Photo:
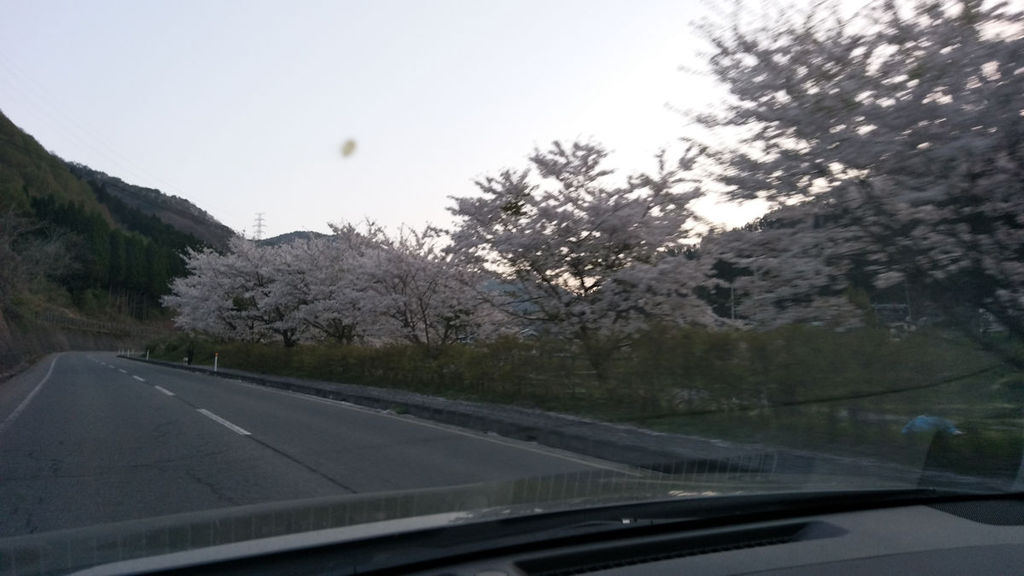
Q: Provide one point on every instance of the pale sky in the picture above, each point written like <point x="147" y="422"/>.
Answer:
<point x="243" y="106"/>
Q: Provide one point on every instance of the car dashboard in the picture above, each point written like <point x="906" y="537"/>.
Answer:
<point x="978" y="537"/>
<point x="945" y="535"/>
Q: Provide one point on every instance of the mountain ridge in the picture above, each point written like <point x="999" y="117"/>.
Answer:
<point x="289" y="237"/>
<point x="172" y="210"/>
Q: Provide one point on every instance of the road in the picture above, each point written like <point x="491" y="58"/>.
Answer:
<point x="89" y="438"/>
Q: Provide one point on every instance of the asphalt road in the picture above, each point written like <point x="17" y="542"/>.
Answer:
<point x="88" y="438"/>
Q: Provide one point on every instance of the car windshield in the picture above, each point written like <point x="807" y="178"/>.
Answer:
<point x="385" y="260"/>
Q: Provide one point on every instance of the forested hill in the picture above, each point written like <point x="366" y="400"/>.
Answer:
<point x="173" y="210"/>
<point x="76" y="239"/>
<point x="290" y="237"/>
<point x="28" y="171"/>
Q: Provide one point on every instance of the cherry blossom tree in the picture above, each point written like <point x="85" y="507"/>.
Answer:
<point x="250" y="293"/>
<point x="904" y="123"/>
<point x="211" y="298"/>
<point x="335" y="306"/>
<point x="286" y="289"/>
<point x="784" y="270"/>
<point x="360" y="284"/>
<point x="419" y="293"/>
<point x="579" y="254"/>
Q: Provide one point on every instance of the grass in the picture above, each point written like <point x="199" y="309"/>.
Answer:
<point x="803" y="387"/>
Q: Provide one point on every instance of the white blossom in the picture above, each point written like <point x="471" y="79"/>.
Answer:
<point x="904" y="125"/>
<point x="579" y="254"/>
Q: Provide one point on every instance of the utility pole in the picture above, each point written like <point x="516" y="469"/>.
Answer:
<point x="258" y="228"/>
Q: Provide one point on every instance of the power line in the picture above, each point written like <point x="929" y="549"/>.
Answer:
<point x="40" y="99"/>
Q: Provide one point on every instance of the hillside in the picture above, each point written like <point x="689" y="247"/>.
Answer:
<point x="84" y="257"/>
<point x="289" y="237"/>
<point x="28" y="171"/>
<point x="173" y="210"/>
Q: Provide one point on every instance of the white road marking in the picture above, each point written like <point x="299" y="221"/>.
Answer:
<point x="164" y="390"/>
<point x="510" y="442"/>
<point x="122" y="370"/>
<point x="223" y="422"/>
<point x="139" y="379"/>
<point x="24" y="403"/>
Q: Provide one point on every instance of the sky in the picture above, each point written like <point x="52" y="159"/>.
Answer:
<point x="243" y="106"/>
